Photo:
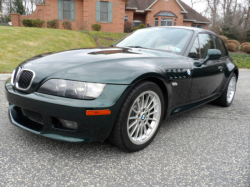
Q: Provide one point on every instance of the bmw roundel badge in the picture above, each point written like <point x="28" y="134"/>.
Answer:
<point x="189" y="72"/>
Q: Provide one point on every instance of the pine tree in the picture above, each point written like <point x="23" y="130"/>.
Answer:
<point x="17" y="7"/>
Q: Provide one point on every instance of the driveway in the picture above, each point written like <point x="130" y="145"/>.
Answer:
<point x="205" y="147"/>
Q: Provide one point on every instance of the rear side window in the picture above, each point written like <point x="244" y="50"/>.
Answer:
<point x="195" y="51"/>
<point x="220" y="46"/>
<point x="206" y="43"/>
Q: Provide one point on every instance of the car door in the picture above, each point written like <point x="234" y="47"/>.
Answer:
<point x="207" y="77"/>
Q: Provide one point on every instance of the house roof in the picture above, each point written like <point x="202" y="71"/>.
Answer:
<point x="189" y="13"/>
<point x="140" y="4"/>
<point x="192" y="15"/>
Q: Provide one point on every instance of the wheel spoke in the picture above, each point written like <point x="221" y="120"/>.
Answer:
<point x="142" y="102"/>
<point x="150" y="102"/>
<point x="134" y="123"/>
<point x="134" y="117"/>
<point x="152" y="113"/>
<point x="138" y="129"/>
<point x="134" y="130"/>
<point x="152" y="119"/>
<point x="149" y="125"/>
<point x="146" y="102"/>
<point x="152" y="107"/>
<point x="145" y="129"/>
<point x="135" y="111"/>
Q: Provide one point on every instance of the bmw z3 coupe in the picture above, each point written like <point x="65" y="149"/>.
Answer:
<point x="124" y="92"/>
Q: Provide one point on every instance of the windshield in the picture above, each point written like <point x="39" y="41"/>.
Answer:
<point x="169" y="39"/>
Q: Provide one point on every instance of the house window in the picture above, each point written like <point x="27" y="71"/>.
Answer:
<point x="175" y="22"/>
<point x="166" y="22"/>
<point x="156" y="21"/>
<point x="66" y="10"/>
<point x="104" y="11"/>
<point x="198" y="26"/>
<point x="125" y="18"/>
<point x="137" y="23"/>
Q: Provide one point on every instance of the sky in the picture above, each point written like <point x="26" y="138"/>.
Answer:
<point x="201" y="7"/>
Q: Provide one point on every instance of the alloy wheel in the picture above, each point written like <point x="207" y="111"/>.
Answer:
<point x="144" y="117"/>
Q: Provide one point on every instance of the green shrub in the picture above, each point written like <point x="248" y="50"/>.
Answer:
<point x="142" y="26"/>
<point x="135" y="28"/>
<point x="28" y="22"/>
<point x="38" y="23"/>
<point x="67" y="25"/>
<point x="96" y="27"/>
<point x="53" y="24"/>
<point x="33" y="22"/>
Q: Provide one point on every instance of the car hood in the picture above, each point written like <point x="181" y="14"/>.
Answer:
<point x="107" y="65"/>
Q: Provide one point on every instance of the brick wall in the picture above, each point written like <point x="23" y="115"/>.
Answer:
<point x="130" y="14"/>
<point x="89" y="15"/>
<point x="85" y="15"/>
<point x="162" y="5"/>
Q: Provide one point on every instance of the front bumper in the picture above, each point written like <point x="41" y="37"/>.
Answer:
<point x="90" y="128"/>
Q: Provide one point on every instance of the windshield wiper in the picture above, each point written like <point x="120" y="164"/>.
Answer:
<point x="136" y="47"/>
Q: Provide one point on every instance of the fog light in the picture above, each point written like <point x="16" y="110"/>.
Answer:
<point x="69" y="124"/>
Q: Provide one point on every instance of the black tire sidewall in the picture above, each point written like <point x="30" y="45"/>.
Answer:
<point x="148" y="86"/>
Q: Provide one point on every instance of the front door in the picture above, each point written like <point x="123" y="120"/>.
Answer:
<point x="208" y="77"/>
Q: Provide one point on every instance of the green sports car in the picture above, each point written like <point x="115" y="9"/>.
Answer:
<point x="124" y="92"/>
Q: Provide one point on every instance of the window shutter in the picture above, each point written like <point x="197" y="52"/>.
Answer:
<point x="110" y="12"/>
<point x="97" y="11"/>
<point x="60" y="9"/>
<point x="72" y="10"/>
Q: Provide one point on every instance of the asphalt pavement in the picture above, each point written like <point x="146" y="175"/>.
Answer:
<point x="208" y="146"/>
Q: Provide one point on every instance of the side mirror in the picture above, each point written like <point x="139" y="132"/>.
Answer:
<point x="212" y="54"/>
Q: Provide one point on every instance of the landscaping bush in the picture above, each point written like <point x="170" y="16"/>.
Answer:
<point x="224" y="38"/>
<point x="96" y="27"/>
<point x="142" y="26"/>
<point x="67" y="25"/>
<point x="235" y="42"/>
<point x="245" y="48"/>
<point x="128" y="26"/>
<point x="135" y="28"/>
<point x="53" y="24"/>
<point x="38" y="23"/>
<point x="246" y="43"/>
<point x="231" y="47"/>
<point x="27" y="22"/>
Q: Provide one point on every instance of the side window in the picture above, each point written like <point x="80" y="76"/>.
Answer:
<point x="220" y="46"/>
<point x="206" y="42"/>
<point x="195" y="51"/>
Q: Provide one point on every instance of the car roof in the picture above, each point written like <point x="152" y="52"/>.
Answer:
<point x="195" y="29"/>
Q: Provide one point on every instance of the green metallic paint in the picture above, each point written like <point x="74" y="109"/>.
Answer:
<point x="120" y="69"/>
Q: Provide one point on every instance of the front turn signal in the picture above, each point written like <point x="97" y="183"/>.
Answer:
<point x="97" y="112"/>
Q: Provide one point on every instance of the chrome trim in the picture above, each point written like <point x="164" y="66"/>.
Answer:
<point x="18" y="76"/>
<point x="12" y="77"/>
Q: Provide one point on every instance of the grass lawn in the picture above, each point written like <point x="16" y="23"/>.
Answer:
<point x="105" y="39"/>
<point x="19" y="43"/>
<point x="241" y="60"/>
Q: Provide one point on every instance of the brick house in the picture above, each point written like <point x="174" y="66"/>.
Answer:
<point x="111" y="14"/>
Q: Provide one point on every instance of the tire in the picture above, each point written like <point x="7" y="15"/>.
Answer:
<point x="224" y="100"/>
<point x="134" y="120"/>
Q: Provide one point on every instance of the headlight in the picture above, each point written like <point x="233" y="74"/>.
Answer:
<point x="72" y="89"/>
